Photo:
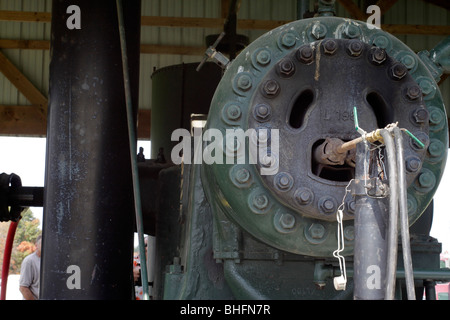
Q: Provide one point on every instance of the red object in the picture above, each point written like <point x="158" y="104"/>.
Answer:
<point x="7" y="257"/>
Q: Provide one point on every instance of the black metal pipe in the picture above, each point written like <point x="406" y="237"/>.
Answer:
<point x="88" y="223"/>
<point x="26" y="197"/>
<point x="370" y="236"/>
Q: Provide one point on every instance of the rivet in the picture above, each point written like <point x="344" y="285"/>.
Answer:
<point x="271" y="88"/>
<point x="305" y="54"/>
<point x="244" y="82"/>
<point x="287" y="221"/>
<point x="398" y="71"/>
<point x="329" y="46"/>
<point x="263" y="57"/>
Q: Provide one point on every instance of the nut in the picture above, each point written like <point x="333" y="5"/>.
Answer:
<point x="286" y="67"/>
<point x="330" y="46"/>
<point x="305" y="54"/>
<point x="398" y="71"/>
<point x="377" y="55"/>
<point x="355" y="47"/>
<point x="271" y="88"/>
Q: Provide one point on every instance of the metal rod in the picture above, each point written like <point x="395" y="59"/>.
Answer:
<point x="133" y="152"/>
<point x="404" y="223"/>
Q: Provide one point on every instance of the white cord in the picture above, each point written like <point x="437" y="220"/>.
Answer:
<point x="340" y="282"/>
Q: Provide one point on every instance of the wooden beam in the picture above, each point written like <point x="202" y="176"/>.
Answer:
<point x="22" y="120"/>
<point x="416" y="29"/>
<point x="21" y="82"/>
<point x="182" y="50"/>
<point x="24" y="44"/>
<point x="385" y="5"/>
<point x="29" y="121"/>
<point x="25" y="16"/>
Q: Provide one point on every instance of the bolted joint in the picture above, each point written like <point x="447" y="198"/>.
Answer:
<point x="286" y="68"/>
<point x="377" y="56"/>
<point x="329" y="46"/>
<point x="305" y="54"/>
<point x="398" y="71"/>
<point x="271" y="88"/>
<point x="355" y="48"/>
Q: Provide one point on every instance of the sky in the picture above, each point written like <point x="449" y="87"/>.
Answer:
<point x="26" y="158"/>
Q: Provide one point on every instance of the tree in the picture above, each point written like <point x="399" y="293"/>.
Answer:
<point x="26" y="233"/>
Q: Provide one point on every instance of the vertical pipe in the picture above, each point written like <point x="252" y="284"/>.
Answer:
<point x="370" y="237"/>
<point x="88" y="223"/>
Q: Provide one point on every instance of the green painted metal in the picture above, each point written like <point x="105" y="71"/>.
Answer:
<point x="234" y="202"/>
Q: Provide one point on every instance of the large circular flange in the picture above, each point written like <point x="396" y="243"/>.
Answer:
<point x="284" y="207"/>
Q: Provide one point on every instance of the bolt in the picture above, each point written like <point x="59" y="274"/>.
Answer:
<point x="327" y="205"/>
<point x="305" y="54"/>
<point x="233" y="112"/>
<point x="427" y="179"/>
<point x="286" y="67"/>
<point x="413" y="164"/>
<point x="271" y="88"/>
<point x="242" y="175"/>
<point x="261" y="201"/>
<point x="318" y="31"/>
<point x="317" y="231"/>
<point x="263" y="57"/>
<point x="436" y="117"/>
<point x="436" y="148"/>
<point x="420" y="115"/>
<point x="261" y="112"/>
<point x="355" y="47"/>
<point x="351" y="206"/>
<point x="303" y="196"/>
<point x="427" y="86"/>
<point x="288" y="40"/>
<point x="330" y="46"/>
<point x="409" y="61"/>
<point x="413" y="92"/>
<point x="349" y="233"/>
<point x="266" y="161"/>
<point x="244" y="82"/>
<point x="352" y="31"/>
<point x="283" y="181"/>
<point x="377" y="55"/>
<point x="398" y="71"/>
<point x="287" y="221"/>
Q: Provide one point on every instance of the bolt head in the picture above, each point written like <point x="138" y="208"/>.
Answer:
<point x="305" y="54"/>
<point x="355" y="48"/>
<point x="271" y="88"/>
<point x="377" y="55"/>
<point x="286" y="68"/>
<point x="287" y="221"/>
<point x="283" y="181"/>
<point x="329" y="46"/>
<point x="398" y="71"/>
<point x="317" y="231"/>
<point x="261" y="112"/>
<point x="413" y="92"/>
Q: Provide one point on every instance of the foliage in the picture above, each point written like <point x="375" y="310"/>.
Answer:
<point x="25" y="237"/>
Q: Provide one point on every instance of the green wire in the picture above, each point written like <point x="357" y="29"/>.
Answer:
<point x="355" y="114"/>
<point x="420" y="143"/>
